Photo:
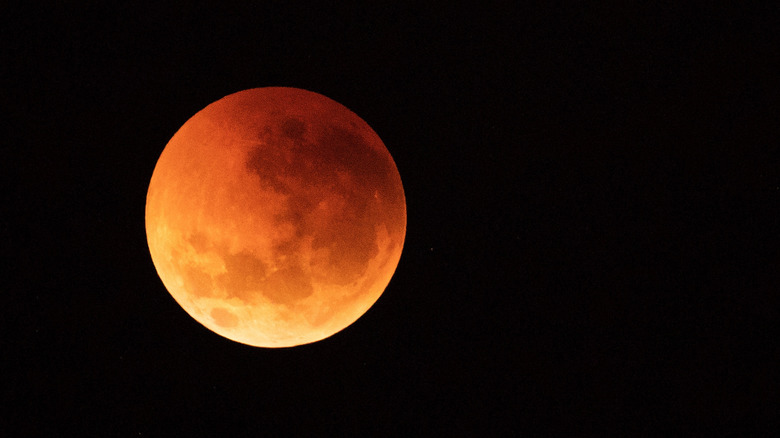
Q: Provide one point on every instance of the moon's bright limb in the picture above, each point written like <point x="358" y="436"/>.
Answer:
<point x="275" y="217"/>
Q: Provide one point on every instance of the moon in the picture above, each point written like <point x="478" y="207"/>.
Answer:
<point x="275" y="217"/>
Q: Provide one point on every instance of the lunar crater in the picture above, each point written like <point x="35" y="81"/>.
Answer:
<point x="223" y="317"/>
<point x="293" y="128"/>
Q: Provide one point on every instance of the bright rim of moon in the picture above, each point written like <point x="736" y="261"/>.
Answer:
<point x="275" y="217"/>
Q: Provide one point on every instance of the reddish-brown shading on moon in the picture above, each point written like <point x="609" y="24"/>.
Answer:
<point x="275" y="217"/>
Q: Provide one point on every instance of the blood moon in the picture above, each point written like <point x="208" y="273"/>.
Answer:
<point x="275" y="217"/>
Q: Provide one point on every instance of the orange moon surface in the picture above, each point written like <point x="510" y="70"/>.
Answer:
<point x="275" y="217"/>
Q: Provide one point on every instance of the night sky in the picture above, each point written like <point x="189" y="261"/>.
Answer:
<point x="592" y="193"/>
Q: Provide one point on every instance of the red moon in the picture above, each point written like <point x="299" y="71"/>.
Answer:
<point x="275" y="217"/>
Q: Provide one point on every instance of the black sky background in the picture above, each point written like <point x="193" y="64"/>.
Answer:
<point x="592" y="242"/>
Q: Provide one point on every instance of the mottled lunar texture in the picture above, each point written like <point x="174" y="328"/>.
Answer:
<point x="275" y="217"/>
